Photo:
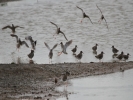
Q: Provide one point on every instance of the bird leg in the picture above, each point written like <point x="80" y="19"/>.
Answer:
<point x="59" y="53"/>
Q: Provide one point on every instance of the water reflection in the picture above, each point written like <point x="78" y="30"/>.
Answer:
<point x="116" y="86"/>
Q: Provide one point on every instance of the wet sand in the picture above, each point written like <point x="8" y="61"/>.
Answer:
<point x="37" y="80"/>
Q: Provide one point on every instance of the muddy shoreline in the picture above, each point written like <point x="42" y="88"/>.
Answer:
<point x="37" y="80"/>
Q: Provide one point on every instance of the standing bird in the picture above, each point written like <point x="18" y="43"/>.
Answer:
<point x="120" y="56"/>
<point x="100" y="56"/>
<point x="64" y="47"/>
<point x="64" y="78"/>
<point x="94" y="48"/>
<point x="31" y="54"/>
<point x="12" y="28"/>
<point x="102" y="17"/>
<point x="84" y="15"/>
<point x="79" y="56"/>
<point x="126" y="56"/>
<point x="33" y="43"/>
<point x="114" y="50"/>
<point x="51" y="51"/>
<point x="58" y="30"/>
<point x="74" y="50"/>
<point x="19" y="42"/>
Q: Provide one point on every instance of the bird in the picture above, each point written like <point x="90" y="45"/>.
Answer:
<point x="120" y="56"/>
<point x="19" y="42"/>
<point x="50" y="51"/>
<point x="31" y="54"/>
<point x="64" y="47"/>
<point x="84" y="15"/>
<point x="33" y="43"/>
<point x="126" y="56"/>
<point x="79" y="56"/>
<point x="58" y="30"/>
<point x="100" y="56"/>
<point x="74" y="50"/>
<point x="102" y="17"/>
<point x="94" y="48"/>
<point x="64" y="78"/>
<point x="114" y="50"/>
<point x="12" y="28"/>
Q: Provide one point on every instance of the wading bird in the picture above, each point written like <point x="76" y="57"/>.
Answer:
<point x="100" y="56"/>
<point x="79" y="56"/>
<point x="74" y="50"/>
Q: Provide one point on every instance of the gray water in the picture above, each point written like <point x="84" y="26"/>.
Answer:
<point x="116" y="86"/>
<point x="36" y="17"/>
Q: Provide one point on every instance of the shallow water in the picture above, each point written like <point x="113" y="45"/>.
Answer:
<point x="116" y="86"/>
<point x="36" y="17"/>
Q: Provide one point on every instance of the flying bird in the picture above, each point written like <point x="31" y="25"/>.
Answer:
<point x="102" y="17"/>
<point x="33" y="43"/>
<point x="64" y="47"/>
<point x="59" y="31"/>
<point x="12" y="28"/>
<point x="84" y="15"/>
<point x="19" y="42"/>
<point x="50" y="51"/>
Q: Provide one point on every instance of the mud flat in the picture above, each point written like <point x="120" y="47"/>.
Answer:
<point x="36" y="81"/>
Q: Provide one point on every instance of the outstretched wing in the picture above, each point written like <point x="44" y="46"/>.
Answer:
<point x="106" y="23"/>
<point x="13" y="35"/>
<point x="54" y="24"/>
<point x="23" y="42"/>
<point x="47" y="45"/>
<point x="8" y="26"/>
<point x="54" y="46"/>
<point x="68" y="43"/>
<point x="80" y="9"/>
<point x="18" y="26"/>
<point x="89" y="18"/>
<point x="64" y="35"/>
<point x="99" y="9"/>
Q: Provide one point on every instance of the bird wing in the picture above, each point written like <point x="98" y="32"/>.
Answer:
<point x="13" y="35"/>
<point x="18" y="26"/>
<point x="54" y="24"/>
<point x="99" y="9"/>
<point x="80" y="9"/>
<point x="47" y="45"/>
<point x="8" y="26"/>
<point x="54" y="46"/>
<point x="29" y="38"/>
<point x="89" y="18"/>
<point x="23" y="42"/>
<point x="68" y="43"/>
<point x="64" y="35"/>
<point x="106" y="23"/>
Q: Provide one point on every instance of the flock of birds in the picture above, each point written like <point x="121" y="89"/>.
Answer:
<point x="63" y="46"/>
